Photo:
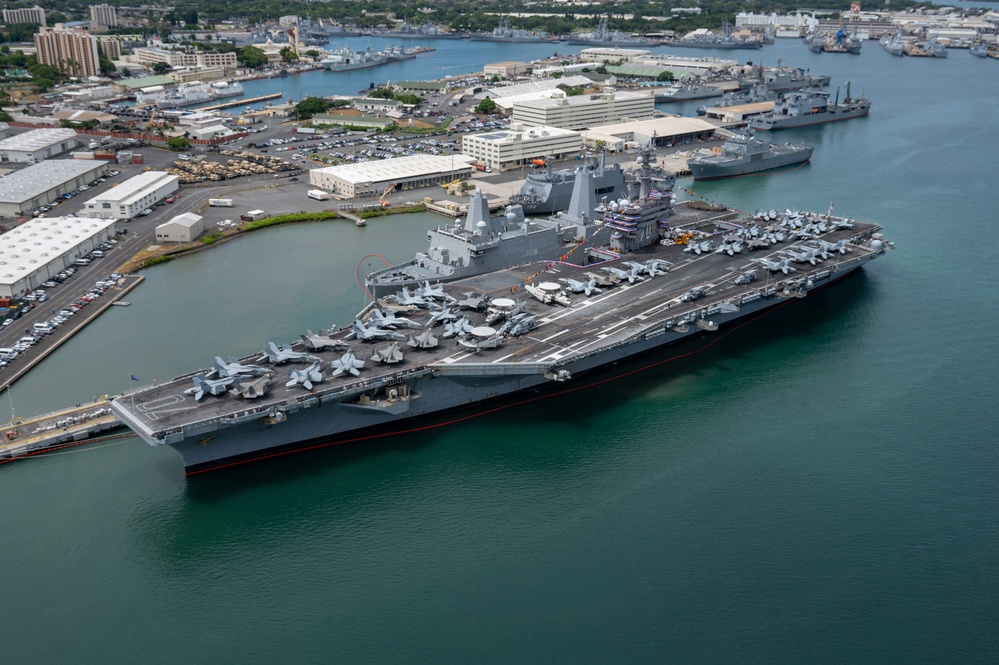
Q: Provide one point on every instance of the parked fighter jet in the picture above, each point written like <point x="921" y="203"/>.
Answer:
<point x="745" y="278"/>
<point x="587" y="287"/>
<point x="519" y="325"/>
<point x="803" y="254"/>
<point x="363" y="333"/>
<point x="388" y="320"/>
<point x="277" y="355"/>
<point x="316" y="342"/>
<point x="631" y="275"/>
<point x="826" y="247"/>
<point x="433" y="292"/>
<point x="702" y="247"/>
<point x="424" y="340"/>
<point x="694" y="293"/>
<point x="655" y="267"/>
<point x="774" y="266"/>
<point x="252" y="389"/>
<point x="458" y="327"/>
<point x="841" y="223"/>
<point x="474" y="301"/>
<point x="203" y="385"/>
<point x="223" y="369"/>
<point x="390" y="355"/>
<point x="729" y="246"/>
<point x="306" y="377"/>
<point x="440" y="316"/>
<point x="404" y="297"/>
<point x="346" y="363"/>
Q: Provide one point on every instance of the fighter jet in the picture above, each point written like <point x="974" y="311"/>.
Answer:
<point x="474" y="301"/>
<point x="729" y="246"/>
<point x="440" y="316"/>
<point x="390" y="355"/>
<point x="631" y="275"/>
<point x="389" y="321"/>
<point x="316" y="342"/>
<point x="458" y="327"/>
<point x="433" y="292"/>
<point x="424" y="340"/>
<point x="826" y="247"/>
<point x="365" y="334"/>
<point x="223" y="369"/>
<point x="587" y="287"/>
<point x="702" y="247"/>
<point x="655" y="267"/>
<point x="774" y="266"/>
<point x="841" y="223"/>
<point x="306" y="377"/>
<point x="203" y="385"/>
<point x="694" y="293"/>
<point x="404" y="297"/>
<point x="803" y="254"/>
<point x="277" y="355"/>
<point x="745" y="278"/>
<point x="346" y="363"/>
<point x="252" y="389"/>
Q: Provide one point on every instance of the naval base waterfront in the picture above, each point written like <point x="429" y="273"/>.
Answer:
<point x="818" y="486"/>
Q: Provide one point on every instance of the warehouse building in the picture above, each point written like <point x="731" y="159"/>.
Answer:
<point x="132" y="196"/>
<point x="659" y="132"/>
<point x="35" y="145"/>
<point x="349" y="181"/>
<point x="182" y="228"/>
<point x="517" y="146"/>
<point x="40" y="248"/>
<point x="40" y="184"/>
<point x="582" y="111"/>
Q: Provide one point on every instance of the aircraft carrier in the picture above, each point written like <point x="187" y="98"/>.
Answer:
<point x="669" y="272"/>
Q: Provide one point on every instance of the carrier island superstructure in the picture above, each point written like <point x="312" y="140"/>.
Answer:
<point x="667" y="273"/>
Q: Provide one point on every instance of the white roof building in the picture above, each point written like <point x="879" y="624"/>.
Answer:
<point x="519" y="145"/>
<point x="37" y="144"/>
<point x="582" y="111"/>
<point x="658" y="131"/>
<point x="133" y="195"/>
<point x="40" y="248"/>
<point x="185" y="227"/>
<point x="39" y="184"/>
<point x="349" y="181"/>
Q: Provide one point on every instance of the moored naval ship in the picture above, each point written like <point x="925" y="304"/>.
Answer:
<point x="546" y="191"/>
<point x="504" y="33"/>
<point x="344" y="59"/>
<point x="723" y="40"/>
<point x="742" y="154"/>
<point x="798" y="109"/>
<point x="605" y="37"/>
<point x="484" y="244"/>
<point x="669" y="273"/>
<point x="427" y="30"/>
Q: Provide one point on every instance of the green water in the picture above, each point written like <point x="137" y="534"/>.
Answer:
<point x="819" y="486"/>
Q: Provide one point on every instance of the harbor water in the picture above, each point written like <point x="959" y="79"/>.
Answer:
<point x="821" y="485"/>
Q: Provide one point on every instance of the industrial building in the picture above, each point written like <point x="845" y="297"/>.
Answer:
<point x="582" y="111"/>
<point x="519" y="145"/>
<point x="506" y="69"/>
<point x="40" y="248"/>
<point x="40" y="184"/>
<point x="182" y="228"/>
<point x="37" y="144"/>
<point x="132" y="196"/>
<point x="349" y="181"/>
<point x="611" y="54"/>
<point x="659" y="132"/>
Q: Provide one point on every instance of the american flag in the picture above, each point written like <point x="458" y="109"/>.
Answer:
<point x="854" y="7"/>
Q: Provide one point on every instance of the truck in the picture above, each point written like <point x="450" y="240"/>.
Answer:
<point x="478" y="166"/>
<point x="253" y="215"/>
<point x="220" y="203"/>
<point x="319" y="195"/>
<point x="306" y="130"/>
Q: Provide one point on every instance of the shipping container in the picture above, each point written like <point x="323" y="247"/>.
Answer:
<point x="136" y="157"/>
<point x="319" y="195"/>
<point x="220" y="203"/>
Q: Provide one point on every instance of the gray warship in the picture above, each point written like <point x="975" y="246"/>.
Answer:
<point x="798" y="109"/>
<point x="742" y="154"/>
<point x="504" y="33"/>
<point x="724" y="40"/>
<point x="606" y="37"/>
<point x="671" y="272"/>
<point x="546" y="190"/>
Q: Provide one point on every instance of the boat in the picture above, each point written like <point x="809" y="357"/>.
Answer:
<point x="605" y="37"/>
<point x="980" y="50"/>
<point x="188" y="93"/>
<point x="687" y="90"/>
<point x="343" y="59"/>
<point x="842" y="42"/>
<point x="724" y="40"/>
<point x="935" y="48"/>
<point x="539" y="328"/>
<point x="425" y="31"/>
<point x="742" y="154"/>
<point x="546" y="191"/>
<point x="797" y="109"/>
<point x="783" y="78"/>
<point x="756" y="94"/>
<point x="504" y="33"/>
<point x="894" y="44"/>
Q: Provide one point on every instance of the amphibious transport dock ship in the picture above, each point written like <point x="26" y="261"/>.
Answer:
<point x="672" y="274"/>
<point x="546" y="190"/>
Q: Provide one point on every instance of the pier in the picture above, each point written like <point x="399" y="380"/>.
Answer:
<point x="241" y="102"/>
<point x="60" y="429"/>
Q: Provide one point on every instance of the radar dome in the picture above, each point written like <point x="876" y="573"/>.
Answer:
<point x="480" y="224"/>
<point x="623" y="203"/>
<point x="639" y="160"/>
<point x="877" y="246"/>
<point x="511" y="216"/>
